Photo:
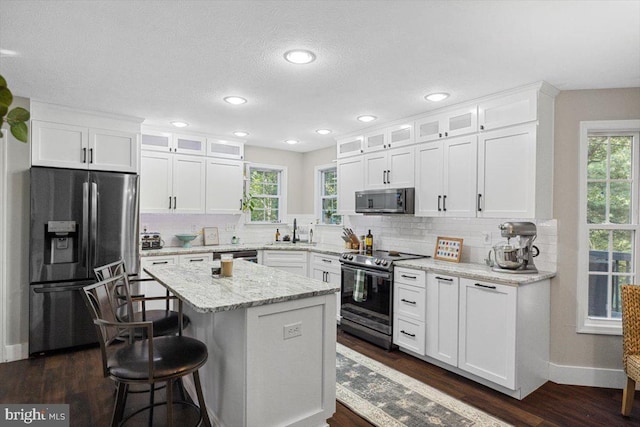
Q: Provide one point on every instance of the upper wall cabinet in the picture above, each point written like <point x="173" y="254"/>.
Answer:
<point x="224" y="186"/>
<point x="173" y="143"/>
<point x="225" y="149"/>
<point x="508" y="110"/>
<point x="389" y="137"/>
<point x="80" y="147"/>
<point x="444" y="125"/>
<point x="389" y="169"/>
<point x="350" y="146"/>
<point x="350" y="179"/>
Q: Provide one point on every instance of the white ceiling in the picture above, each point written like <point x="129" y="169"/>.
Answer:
<point x="176" y="60"/>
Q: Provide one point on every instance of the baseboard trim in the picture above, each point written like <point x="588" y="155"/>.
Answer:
<point x="584" y="376"/>
<point x="16" y="352"/>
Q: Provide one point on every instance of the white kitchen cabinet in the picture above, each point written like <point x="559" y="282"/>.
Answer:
<point x="392" y="168"/>
<point x="79" y="147"/>
<point x="326" y="268"/>
<point x="442" y="318"/>
<point x="292" y="261"/>
<point x="507" y="173"/>
<point x="446" y="177"/>
<point x="152" y="288"/>
<point x="224" y="186"/>
<point x="446" y="125"/>
<point x="350" y="179"/>
<point x="172" y="183"/>
<point x="225" y="149"/>
<point x="409" y="309"/>
<point x="351" y="146"/>
<point x="389" y="137"/>
<point x="508" y="110"/>
<point x="487" y="334"/>
<point x="158" y="140"/>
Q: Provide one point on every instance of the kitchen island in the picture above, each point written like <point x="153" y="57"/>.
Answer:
<point x="271" y="337"/>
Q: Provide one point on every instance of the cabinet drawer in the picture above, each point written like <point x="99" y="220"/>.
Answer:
<point x="409" y="334"/>
<point x="409" y="276"/>
<point x="326" y="262"/>
<point x="284" y="256"/>
<point x="193" y="258"/>
<point x="410" y="301"/>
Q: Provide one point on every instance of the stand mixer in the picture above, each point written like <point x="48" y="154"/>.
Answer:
<point x="517" y="257"/>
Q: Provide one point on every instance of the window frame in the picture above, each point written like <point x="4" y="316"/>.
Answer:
<point x="282" y="189"/>
<point x="318" y="195"/>
<point x="586" y="324"/>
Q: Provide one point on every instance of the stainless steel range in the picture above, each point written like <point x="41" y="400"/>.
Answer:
<point x="371" y="317"/>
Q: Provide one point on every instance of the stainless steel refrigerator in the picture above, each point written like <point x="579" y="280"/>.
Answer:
<point x="79" y="220"/>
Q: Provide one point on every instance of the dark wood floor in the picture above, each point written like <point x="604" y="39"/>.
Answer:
<point x="75" y="378"/>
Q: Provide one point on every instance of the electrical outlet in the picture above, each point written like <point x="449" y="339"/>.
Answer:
<point x="230" y="227"/>
<point x="486" y="238"/>
<point x="293" y="330"/>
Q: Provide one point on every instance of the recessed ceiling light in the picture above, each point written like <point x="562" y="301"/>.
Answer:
<point x="367" y="118"/>
<point x="436" y="97"/>
<point x="7" y="52"/>
<point x="240" y="133"/>
<point x="179" y="124"/>
<point x="235" y="100"/>
<point x="299" y="56"/>
<point x="323" y="131"/>
<point x="292" y="141"/>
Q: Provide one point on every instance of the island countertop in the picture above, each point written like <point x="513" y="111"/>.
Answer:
<point x="251" y="285"/>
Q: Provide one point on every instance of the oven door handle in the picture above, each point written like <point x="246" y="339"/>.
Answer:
<point x="384" y="275"/>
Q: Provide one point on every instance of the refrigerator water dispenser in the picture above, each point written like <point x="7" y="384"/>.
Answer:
<point x="62" y="241"/>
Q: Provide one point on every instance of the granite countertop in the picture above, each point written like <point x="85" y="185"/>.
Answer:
<point x="473" y="271"/>
<point x="312" y="247"/>
<point x="251" y="285"/>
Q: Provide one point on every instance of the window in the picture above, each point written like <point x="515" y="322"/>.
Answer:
<point x="327" y="195"/>
<point x="609" y="250"/>
<point x="267" y="191"/>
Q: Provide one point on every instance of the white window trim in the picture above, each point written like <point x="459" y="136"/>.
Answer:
<point x="585" y="324"/>
<point x="283" y="189"/>
<point x="317" y="185"/>
<point x="3" y="270"/>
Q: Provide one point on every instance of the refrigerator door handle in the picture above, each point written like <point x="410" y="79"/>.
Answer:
<point x="94" y="224"/>
<point x="85" y="223"/>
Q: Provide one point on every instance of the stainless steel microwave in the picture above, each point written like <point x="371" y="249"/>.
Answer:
<point x="387" y="201"/>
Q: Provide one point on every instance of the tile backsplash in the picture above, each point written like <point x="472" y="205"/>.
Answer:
<point x="398" y="232"/>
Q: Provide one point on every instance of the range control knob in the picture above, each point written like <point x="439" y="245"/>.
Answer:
<point x="384" y="262"/>
<point x="350" y="257"/>
<point x="377" y="261"/>
<point x="344" y="256"/>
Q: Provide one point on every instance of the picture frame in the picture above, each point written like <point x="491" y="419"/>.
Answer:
<point x="210" y="236"/>
<point x="448" y="249"/>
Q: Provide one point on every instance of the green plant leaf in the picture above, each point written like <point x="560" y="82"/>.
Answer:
<point x="3" y="110"/>
<point x="20" y="131"/>
<point x="18" y="115"/>
<point x="3" y="82"/>
<point x="6" y="97"/>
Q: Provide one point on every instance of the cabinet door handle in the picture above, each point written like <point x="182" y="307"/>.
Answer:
<point x="406" y="276"/>
<point x="439" y="200"/>
<point x="446" y="134"/>
<point x="160" y="262"/>
<point x="384" y="177"/>
<point x="84" y="155"/>
<point x="169" y="202"/>
<point x="481" y="127"/>
<point x="444" y="278"/>
<point x="444" y="203"/>
<point x="196" y="260"/>
<point x="440" y="135"/>
<point x="90" y="155"/>
<point x="407" y="333"/>
<point x="175" y="203"/>
<point x="388" y="177"/>
<point x="326" y="260"/>
<point x="240" y="204"/>
<point x="408" y="302"/>
<point x="480" y="285"/>
<point x="479" y="202"/>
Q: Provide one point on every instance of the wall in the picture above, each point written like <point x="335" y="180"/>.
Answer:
<point x="312" y="159"/>
<point x="16" y="175"/>
<point x="569" y="348"/>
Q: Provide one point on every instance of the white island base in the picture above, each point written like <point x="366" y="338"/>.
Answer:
<point x="269" y="365"/>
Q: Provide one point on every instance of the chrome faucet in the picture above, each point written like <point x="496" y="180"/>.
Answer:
<point x="295" y="226"/>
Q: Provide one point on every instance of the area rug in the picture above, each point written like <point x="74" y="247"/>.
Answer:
<point x="388" y="398"/>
